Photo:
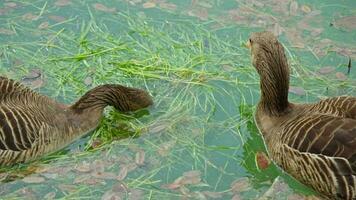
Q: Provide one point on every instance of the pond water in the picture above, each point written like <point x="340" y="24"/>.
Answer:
<point x="199" y="140"/>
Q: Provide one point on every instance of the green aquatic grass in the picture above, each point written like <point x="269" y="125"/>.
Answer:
<point x="204" y="89"/>
<point x="183" y="86"/>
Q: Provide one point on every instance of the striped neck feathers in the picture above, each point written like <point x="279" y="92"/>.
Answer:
<point x="272" y="66"/>
<point x="123" y="98"/>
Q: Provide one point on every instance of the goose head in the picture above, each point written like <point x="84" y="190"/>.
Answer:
<point x="137" y="99"/>
<point x="267" y="52"/>
<point x="124" y="99"/>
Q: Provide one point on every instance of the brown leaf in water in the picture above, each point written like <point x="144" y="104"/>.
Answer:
<point x="124" y="159"/>
<point x="153" y="161"/>
<point x="33" y="179"/>
<point x="50" y="175"/>
<point x="17" y="62"/>
<point x="102" y="7"/>
<point x="204" y="4"/>
<point x="131" y="167"/>
<point x="314" y="13"/>
<point x="348" y="52"/>
<point x="240" y="185"/>
<point x="29" y="17"/>
<point x="136" y="1"/>
<point x="295" y="38"/>
<point x="237" y="16"/>
<point x="257" y="3"/>
<point x="111" y="195"/>
<point x="122" y="173"/>
<point x="140" y="157"/>
<point x="262" y="160"/>
<point x="172" y="186"/>
<point x="136" y="194"/>
<point x="83" y="167"/>
<point x="322" y="47"/>
<point x="3" y="11"/>
<point x="277" y="29"/>
<point x="28" y="193"/>
<point x="188" y="178"/>
<point x="3" y="176"/>
<point x="326" y="70"/>
<point x="62" y="3"/>
<point x="297" y="90"/>
<point x="304" y="24"/>
<point x="98" y="166"/>
<point x="10" y="4"/>
<point x="84" y="179"/>
<point x="191" y="177"/>
<point x="61" y="170"/>
<point x="212" y="195"/>
<point x="278" y="187"/>
<point x="50" y="195"/>
<point x="119" y="190"/>
<point x="175" y="185"/>
<point x="305" y="9"/>
<point x="43" y="25"/>
<point x="295" y="197"/>
<point x="149" y="5"/>
<point x="37" y="83"/>
<point x="192" y="173"/>
<point x="347" y="23"/>
<point x="293" y="8"/>
<point x="165" y="148"/>
<point x="5" y="31"/>
<point x="236" y="197"/>
<point x="57" y="18"/>
<point x="201" y="13"/>
<point x="104" y="175"/>
<point x="316" y="31"/>
<point x="185" y="191"/>
<point x="88" y="81"/>
<point x="341" y="76"/>
<point x="80" y="179"/>
<point x="168" y="6"/>
<point x="67" y="188"/>
<point x="37" y="168"/>
<point x="158" y="127"/>
<point x="227" y="68"/>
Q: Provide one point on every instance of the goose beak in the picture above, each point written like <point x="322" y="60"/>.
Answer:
<point x="248" y="44"/>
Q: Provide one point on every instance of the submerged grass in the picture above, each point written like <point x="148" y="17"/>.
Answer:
<point x="203" y="88"/>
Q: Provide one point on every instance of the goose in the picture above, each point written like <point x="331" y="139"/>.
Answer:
<point x="314" y="142"/>
<point x="33" y="125"/>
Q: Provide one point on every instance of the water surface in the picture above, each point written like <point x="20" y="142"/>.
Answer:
<point x="189" y="55"/>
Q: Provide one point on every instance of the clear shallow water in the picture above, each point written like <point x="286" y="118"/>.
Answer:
<point x="189" y="56"/>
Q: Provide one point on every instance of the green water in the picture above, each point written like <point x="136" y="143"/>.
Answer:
<point x="189" y="55"/>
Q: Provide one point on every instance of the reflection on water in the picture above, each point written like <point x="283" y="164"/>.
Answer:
<point x="199" y="141"/>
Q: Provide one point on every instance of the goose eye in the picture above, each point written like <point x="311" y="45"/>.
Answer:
<point x="248" y="43"/>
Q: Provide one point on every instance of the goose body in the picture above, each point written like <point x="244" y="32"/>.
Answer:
<point x="315" y="143"/>
<point x="33" y="125"/>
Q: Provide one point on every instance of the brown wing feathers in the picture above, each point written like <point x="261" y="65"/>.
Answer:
<point x="17" y="130"/>
<point x="8" y="86"/>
